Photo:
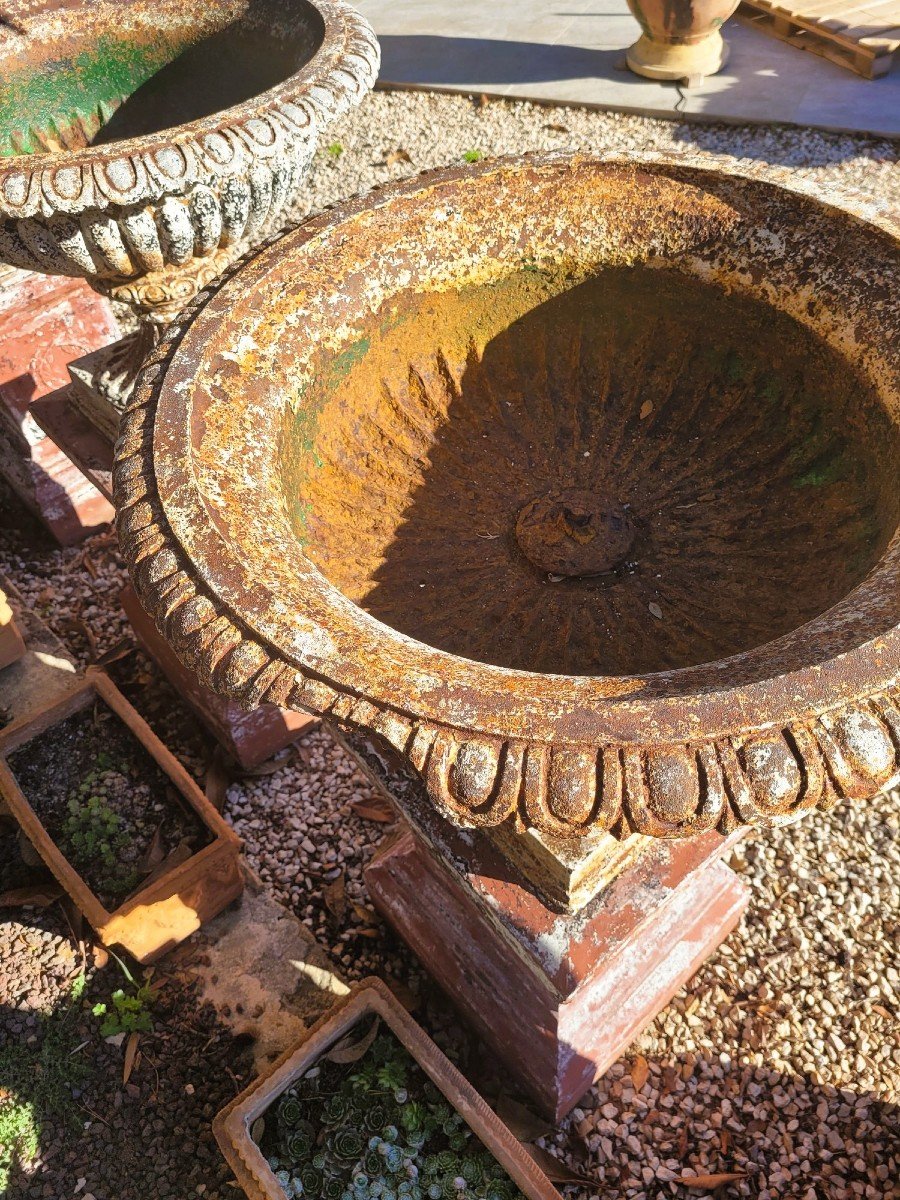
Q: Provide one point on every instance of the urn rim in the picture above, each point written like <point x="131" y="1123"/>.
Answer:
<point x="246" y="640"/>
<point x="343" y="66"/>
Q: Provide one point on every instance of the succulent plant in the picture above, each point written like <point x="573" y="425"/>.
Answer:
<point x="299" y="1143"/>
<point x="346" y="1146"/>
<point x="392" y="1075"/>
<point x="312" y="1180"/>
<point x="336" y="1110"/>
<point x="413" y="1116"/>
<point x="375" y="1118"/>
<point x="380" y="1130"/>
<point x="290" y="1110"/>
<point x="472" y="1170"/>
<point x="446" y="1161"/>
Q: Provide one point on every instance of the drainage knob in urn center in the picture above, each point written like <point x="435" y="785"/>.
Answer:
<point x="574" y="532"/>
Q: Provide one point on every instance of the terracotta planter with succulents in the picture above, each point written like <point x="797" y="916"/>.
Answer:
<point x="133" y="840"/>
<point x="367" y="1105"/>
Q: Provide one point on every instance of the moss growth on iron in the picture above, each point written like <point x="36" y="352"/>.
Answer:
<point x="61" y="101"/>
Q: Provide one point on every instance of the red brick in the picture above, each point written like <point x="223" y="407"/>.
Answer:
<point x="45" y="322"/>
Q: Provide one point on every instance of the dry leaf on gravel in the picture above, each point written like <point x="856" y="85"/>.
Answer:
<point x="116" y="653"/>
<point x="405" y="995"/>
<point x="366" y="914"/>
<point x="130" y="1055"/>
<point x="397" y="156"/>
<point x="639" y="1072"/>
<point x="524" y="1124"/>
<point x="707" y="1182"/>
<point x="219" y="777"/>
<point x="38" y="895"/>
<point x="176" y="856"/>
<point x="556" y="1171"/>
<point x="272" y="765"/>
<point x="79" y="627"/>
<point x="374" y="809"/>
<point x="335" y="897"/>
<point x="349" y="1051"/>
<point x="153" y="855"/>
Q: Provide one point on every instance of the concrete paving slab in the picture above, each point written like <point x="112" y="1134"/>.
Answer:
<point x="262" y="970"/>
<point x="573" y="51"/>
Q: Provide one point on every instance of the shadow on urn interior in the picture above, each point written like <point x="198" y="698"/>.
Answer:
<point x="641" y="473"/>
<point x="154" y="68"/>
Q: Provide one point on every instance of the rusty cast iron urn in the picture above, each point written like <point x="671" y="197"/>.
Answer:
<point x="145" y="144"/>
<point x="573" y="481"/>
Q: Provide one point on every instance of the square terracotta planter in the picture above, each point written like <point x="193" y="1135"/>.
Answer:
<point x="169" y="907"/>
<point x="233" y="1124"/>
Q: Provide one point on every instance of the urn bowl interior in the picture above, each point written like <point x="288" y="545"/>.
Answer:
<point x="105" y="72"/>
<point x="629" y="471"/>
<point x="555" y="448"/>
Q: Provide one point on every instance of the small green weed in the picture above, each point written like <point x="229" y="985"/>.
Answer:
<point x="335" y="149"/>
<point x="128" y="1011"/>
<point x="473" y="156"/>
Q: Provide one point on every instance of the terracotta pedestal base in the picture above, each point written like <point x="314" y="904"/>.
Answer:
<point x="11" y="645"/>
<point x="249" y="737"/>
<point x="559" y="996"/>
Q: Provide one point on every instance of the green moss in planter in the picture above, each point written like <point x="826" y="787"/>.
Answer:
<point x="376" y="1127"/>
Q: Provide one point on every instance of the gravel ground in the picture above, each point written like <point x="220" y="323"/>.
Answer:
<point x="394" y="134"/>
<point x="108" y="1137"/>
<point x="780" y="1060"/>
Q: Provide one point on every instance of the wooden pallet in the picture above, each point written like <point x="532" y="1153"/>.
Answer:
<point x="859" y="34"/>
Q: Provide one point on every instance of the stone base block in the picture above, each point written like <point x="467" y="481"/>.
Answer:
<point x="44" y="672"/>
<point x="12" y="647"/>
<point x="559" y="996"/>
<point x="261" y="969"/>
<point x="45" y="322"/>
<point x="249" y="737"/>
